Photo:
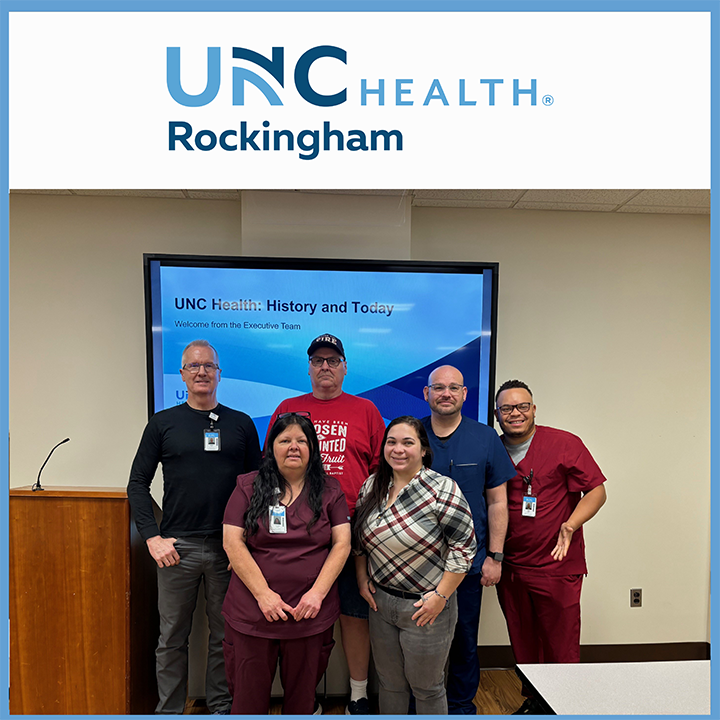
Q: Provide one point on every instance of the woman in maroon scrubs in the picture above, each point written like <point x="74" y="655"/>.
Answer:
<point x="287" y="535"/>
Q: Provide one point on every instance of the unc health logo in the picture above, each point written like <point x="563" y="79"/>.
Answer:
<point x="244" y="136"/>
<point x="274" y="66"/>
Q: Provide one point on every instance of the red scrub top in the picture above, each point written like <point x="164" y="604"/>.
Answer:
<point x="289" y="561"/>
<point x="563" y="469"/>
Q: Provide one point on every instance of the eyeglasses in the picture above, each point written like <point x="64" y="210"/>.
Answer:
<point x="298" y="413"/>
<point x="454" y="388"/>
<point x="522" y="407"/>
<point x="194" y="368"/>
<point x="317" y="362"/>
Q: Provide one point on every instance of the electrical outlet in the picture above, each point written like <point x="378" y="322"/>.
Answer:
<point x="635" y="597"/>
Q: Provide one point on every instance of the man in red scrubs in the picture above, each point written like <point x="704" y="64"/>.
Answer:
<point x="558" y="488"/>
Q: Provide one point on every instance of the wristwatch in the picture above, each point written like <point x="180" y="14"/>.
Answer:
<point x="498" y="557"/>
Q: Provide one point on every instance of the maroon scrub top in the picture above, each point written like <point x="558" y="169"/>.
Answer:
<point x="562" y="469"/>
<point x="289" y="561"/>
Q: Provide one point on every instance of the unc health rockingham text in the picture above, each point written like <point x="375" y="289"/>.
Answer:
<point x="309" y="142"/>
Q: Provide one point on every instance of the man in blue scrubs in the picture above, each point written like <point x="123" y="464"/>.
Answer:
<point x="473" y="455"/>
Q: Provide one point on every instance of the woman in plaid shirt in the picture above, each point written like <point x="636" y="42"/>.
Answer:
<point x="415" y="532"/>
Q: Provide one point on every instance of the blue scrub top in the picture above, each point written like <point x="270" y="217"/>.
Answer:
<point x="475" y="458"/>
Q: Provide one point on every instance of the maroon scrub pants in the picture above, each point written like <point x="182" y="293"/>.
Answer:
<point x="250" y="664"/>
<point x="543" y="616"/>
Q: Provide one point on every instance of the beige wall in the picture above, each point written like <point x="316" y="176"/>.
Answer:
<point x="605" y="316"/>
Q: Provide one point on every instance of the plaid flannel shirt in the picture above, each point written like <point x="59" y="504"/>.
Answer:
<point x="427" y="530"/>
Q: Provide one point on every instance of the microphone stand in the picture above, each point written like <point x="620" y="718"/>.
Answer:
<point x="37" y="486"/>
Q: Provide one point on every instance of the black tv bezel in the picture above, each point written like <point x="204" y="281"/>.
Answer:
<point x="334" y="264"/>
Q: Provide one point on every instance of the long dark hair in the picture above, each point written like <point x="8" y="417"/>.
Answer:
<point x="270" y="478"/>
<point x="375" y="498"/>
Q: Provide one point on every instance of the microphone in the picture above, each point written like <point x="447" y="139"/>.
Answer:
<point x="37" y="485"/>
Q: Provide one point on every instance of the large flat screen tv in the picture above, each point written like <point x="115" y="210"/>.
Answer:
<point x="397" y="320"/>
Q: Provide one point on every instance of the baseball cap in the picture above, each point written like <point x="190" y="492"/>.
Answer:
<point x="326" y="340"/>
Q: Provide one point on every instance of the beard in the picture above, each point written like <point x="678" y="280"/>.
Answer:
<point x="445" y="409"/>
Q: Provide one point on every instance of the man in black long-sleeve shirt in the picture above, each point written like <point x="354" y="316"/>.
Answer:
<point x="203" y="447"/>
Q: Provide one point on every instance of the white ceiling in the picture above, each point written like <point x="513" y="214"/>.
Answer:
<point x="684" y="202"/>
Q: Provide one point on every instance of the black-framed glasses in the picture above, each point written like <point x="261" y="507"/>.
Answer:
<point x="298" y="413"/>
<point x="194" y="368"/>
<point x="522" y="407"/>
<point x="455" y="389"/>
<point x="317" y="362"/>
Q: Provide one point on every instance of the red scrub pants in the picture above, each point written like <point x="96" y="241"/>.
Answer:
<point x="543" y="616"/>
<point x="250" y="664"/>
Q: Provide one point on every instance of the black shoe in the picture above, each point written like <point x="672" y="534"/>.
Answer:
<point x="531" y="706"/>
<point x="317" y="709"/>
<point x="358" y="707"/>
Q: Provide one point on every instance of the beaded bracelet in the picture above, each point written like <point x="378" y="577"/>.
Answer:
<point x="444" y="597"/>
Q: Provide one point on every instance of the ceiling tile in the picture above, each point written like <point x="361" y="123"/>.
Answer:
<point x="663" y="210"/>
<point x="673" y="198"/>
<point x="491" y="195"/>
<point x="593" y="197"/>
<point x="435" y="202"/>
<point x="133" y="193"/>
<point x="213" y="194"/>
<point x="591" y="207"/>
<point x="41" y="192"/>
<point x="687" y="202"/>
<point x="392" y="193"/>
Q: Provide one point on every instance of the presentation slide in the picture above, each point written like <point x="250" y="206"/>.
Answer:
<point x="395" y="325"/>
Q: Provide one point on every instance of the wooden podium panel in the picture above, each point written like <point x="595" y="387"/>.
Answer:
<point x="83" y="605"/>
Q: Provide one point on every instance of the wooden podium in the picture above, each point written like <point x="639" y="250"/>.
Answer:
<point x="83" y="605"/>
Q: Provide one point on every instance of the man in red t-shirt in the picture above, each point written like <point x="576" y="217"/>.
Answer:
<point x="558" y="488"/>
<point x="350" y="430"/>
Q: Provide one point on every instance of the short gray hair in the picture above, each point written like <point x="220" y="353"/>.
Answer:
<point x="199" y="343"/>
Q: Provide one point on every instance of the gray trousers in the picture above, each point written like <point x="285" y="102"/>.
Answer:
<point x="178" y="586"/>
<point x="410" y="658"/>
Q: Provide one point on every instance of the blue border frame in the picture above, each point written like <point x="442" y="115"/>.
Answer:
<point x="316" y="6"/>
<point x="7" y="6"/>
<point x="4" y="354"/>
<point x="714" y="344"/>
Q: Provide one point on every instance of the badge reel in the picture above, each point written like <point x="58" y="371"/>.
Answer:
<point x="278" y="518"/>
<point x="529" y="503"/>
<point x="211" y="437"/>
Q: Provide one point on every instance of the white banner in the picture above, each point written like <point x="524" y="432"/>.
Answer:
<point x="359" y="100"/>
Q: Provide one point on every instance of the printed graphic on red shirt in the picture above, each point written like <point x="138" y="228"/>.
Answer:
<point x="333" y="442"/>
<point x="349" y="430"/>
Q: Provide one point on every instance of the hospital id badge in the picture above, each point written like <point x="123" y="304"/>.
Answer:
<point x="212" y="440"/>
<point x="529" y="507"/>
<point x="278" y="519"/>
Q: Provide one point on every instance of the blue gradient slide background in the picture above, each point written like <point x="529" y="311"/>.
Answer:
<point x="429" y="319"/>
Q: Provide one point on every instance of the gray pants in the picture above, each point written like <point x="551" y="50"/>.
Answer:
<point x="408" y="657"/>
<point x="178" y="588"/>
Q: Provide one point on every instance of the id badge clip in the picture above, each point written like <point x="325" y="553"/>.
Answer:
<point x="212" y="440"/>
<point x="278" y="519"/>
<point x="529" y="504"/>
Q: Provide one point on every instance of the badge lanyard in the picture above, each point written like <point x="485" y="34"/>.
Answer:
<point x="278" y="517"/>
<point x="529" y="502"/>
<point x="212" y="436"/>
